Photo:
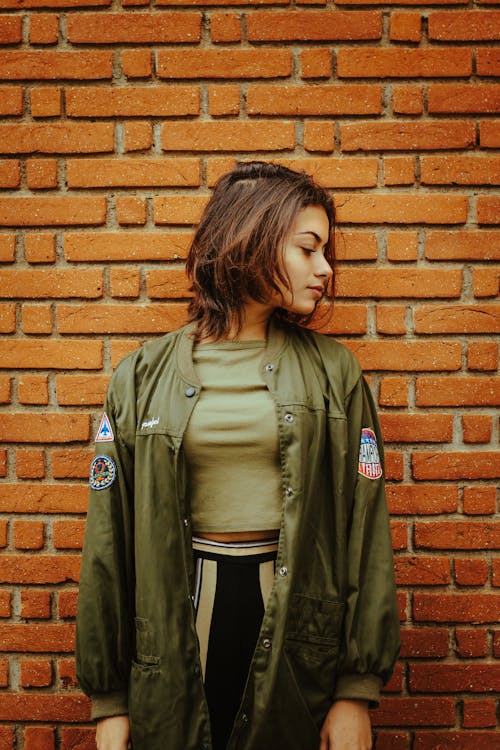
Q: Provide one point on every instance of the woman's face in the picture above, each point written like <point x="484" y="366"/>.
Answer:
<point x="304" y="261"/>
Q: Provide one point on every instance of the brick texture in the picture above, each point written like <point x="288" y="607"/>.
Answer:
<point x="117" y="120"/>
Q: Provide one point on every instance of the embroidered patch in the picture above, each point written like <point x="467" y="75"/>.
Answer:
<point x="369" y="458"/>
<point x="105" y="431"/>
<point x="102" y="472"/>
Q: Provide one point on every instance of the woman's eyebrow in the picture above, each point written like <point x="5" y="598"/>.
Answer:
<point x="316" y="236"/>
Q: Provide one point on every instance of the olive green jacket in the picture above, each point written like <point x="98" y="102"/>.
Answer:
<point x="330" y="629"/>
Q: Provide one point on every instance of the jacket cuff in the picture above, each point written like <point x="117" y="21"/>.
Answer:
<point x="109" y="704"/>
<point x="361" y="687"/>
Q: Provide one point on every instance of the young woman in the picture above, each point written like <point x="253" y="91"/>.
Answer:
<point x="237" y="587"/>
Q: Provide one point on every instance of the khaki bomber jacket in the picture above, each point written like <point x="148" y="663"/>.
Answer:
<point x="330" y="629"/>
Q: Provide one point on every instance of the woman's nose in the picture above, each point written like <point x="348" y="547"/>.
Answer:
<point x="323" y="268"/>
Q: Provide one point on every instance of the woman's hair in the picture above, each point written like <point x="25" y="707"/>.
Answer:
<point x="237" y="250"/>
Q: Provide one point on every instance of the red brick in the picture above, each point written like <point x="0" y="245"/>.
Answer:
<point x="36" y="318"/>
<point x="457" y="535"/>
<point x="399" y="535"/>
<point x="489" y="134"/>
<point x="335" y="173"/>
<point x="133" y="101"/>
<point x="36" y="673"/>
<point x="225" y="27"/>
<point x="486" y="282"/>
<point x="401" y="208"/>
<point x="286" y="26"/>
<point x="43" y="498"/>
<point x="71" y="463"/>
<point x="266" y="135"/>
<point x="405" y="27"/>
<point x="44" y="28"/>
<point x="146" y="28"/>
<point x="7" y="318"/>
<point x="470" y="572"/>
<point x="460" y="170"/>
<point x="466" y="245"/>
<point x="125" y="246"/>
<point x="5" y="604"/>
<point x="44" y="707"/>
<point x="68" y="534"/>
<point x="316" y="63"/>
<point x="418" y="499"/>
<point x="347" y="319"/>
<point x="405" y="136"/>
<point x="136" y="63"/>
<point x="4" y="528"/>
<point x="7" y="248"/>
<point x="404" y="356"/>
<point x="66" y="669"/>
<point x="424" y="642"/>
<point x="67" y="603"/>
<point x="463" y="97"/>
<point x="46" y="102"/>
<point x="392" y="741"/>
<point x="124" y="282"/>
<point x="137" y="136"/>
<point x="479" y="713"/>
<point x="482" y="355"/>
<point x="11" y="100"/>
<point x="488" y="61"/>
<point x="464" y="26"/>
<point x="355" y="99"/>
<point x="178" y="209"/>
<point x="455" y="740"/>
<point x="407" y="99"/>
<point x="402" y="246"/>
<point x="355" y="245"/>
<point x="438" y="678"/>
<point x="30" y="464"/>
<point x="412" y="428"/>
<point x="496" y="643"/>
<point x="398" y="282"/>
<point x="40" y="568"/>
<point x="455" y="607"/>
<point x="53" y="211"/>
<point x="391" y="319"/>
<point x="224" y="63"/>
<point x="479" y="500"/>
<point x="167" y="284"/>
<point x="80" y="354"/>
<point x="39" y="738"/>
<point x="476" y="428"/>
<point x="77" y="390"/>
<point x="35" y="604"/>
<point x="40" y="428"/>
<point x="4" y="682"/>
<point x="51" y="138"/>
<point x="40" y="247"/>
<point x="28" y="534"/>
<point x="415" y="712"/>
<point x="10" y="176"/>
<point x="110" y="318"/>
<point x="459" y="465"/>
<point x="10" y="29"/>
<point x="399" y="170"/>
<point x="33" y="389"/>
<point x="422" y="571"/>
<point x="134" y="172"/>
<point x="471" y="642"/>
<point x="403" y="63"/>
<point x="224" y="100"/>
<point x="495" y="572"/>
<point x="457" y="318"/>
<point x="130" y="210"/>
<point x="35" y="65"/>
<point x="394" y="391"/>
<point x="488" y="209"/>
<point x="459" y="391"/>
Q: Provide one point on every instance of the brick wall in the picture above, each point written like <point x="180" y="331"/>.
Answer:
<point x="116" y="122"/>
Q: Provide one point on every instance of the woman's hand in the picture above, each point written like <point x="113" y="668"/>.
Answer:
<point x="113" y="733"/>
<point x="347" y="727"/>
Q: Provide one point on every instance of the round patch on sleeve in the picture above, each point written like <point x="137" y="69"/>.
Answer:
<point x="102" y="472"/>
<point x="369" y="458"/>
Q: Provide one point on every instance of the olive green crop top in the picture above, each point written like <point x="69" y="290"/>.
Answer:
<point x="232" y="443"/>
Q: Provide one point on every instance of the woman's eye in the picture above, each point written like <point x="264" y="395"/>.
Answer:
<point x="308" y="250"/>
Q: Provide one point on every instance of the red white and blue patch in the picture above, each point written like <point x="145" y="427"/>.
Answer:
<point x="369" y="458"/>
<point x="105" y="431"/>
<point x="102" y="472"/>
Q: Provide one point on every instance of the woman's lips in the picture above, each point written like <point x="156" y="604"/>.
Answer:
<point x="316" y="290"/>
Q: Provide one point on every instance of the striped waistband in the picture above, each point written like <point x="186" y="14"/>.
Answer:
<point x="236" y="549"/>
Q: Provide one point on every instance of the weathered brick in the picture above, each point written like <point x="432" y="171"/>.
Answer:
<point x="335" y="172"/>
<point x="464" y="26"/>
<point x="470" y="572"/>
<point x="30" y="464"/>
<point x="10" y="175"/>
<point x="479" y="713"/>
<point x="463" y="97"/>
<point x="130" y="210"/>
<point x="414" y="428"/>
<point x="120" y="348"/>
<point x="39" y="738"/>
<point x="471" y="642"/>
<point x="355" y="99"/>
<point x="457" y="319"/>
<point x="455" y="607"/>
<point x="71" y="463"/>
<point x="459" y="391"/>
<point x="67" y="603"/>
<point x="44" y="706"/>
<point x="7" y="318"/>
<point x="136" y="63"/>
<point x="5" y="389"/>
<point x="167" y="284"/>
<point x="266" y="135"/>
<point x="405" y="27"/>
<point x="406" y="355"/>
<point x="486" y="283"/>
<point x="36" y="673"/>
<point x="66" y="669"/>
<point x="488" y="61"/>
<point x="424" y="642"/>
<point x="46" y="102"/>
<point x="124" y="282"/>
<point x="479" y="500"/>
<point x="436" y="678"/>
<point x="355" y="245"/>
<point x="137" y="136"/>
<point x="51" y="138"/>
<point x="488" y="209"/>
<point x="476" y="428"/>
<point x="67" y="355"/>
<point x="68" y="534"/>
<point x="224" y="63"/>
<point x="7" y="248"/>
<point x="44" y="28"/>
<point x="39" y="569"/>
<point x="404" y="136"/>
<point x="133" y="172"/>
<point x="33" y="389"/>
<point x="460" y="170"/>
<point x="316" y="63"/>
<point x="415" y="712"/>
<point x="457" y="535"/>
<point x="76" y="390"/>
<point x="35" y="604"/>
<point x="489" y="134"/>
<point x="43" y="498"/>
<point x="60" y="283"/>
<point x="35" y="65"/>
<point x="466" y="245"/>
<point x="178" y="209"/>
<point x="40" y="247"/>
<point x="404" y="63"/>
<point x="482" y="355"/>
<point x="455" y="740"/>
<point x="398" y="282"/>
<point x="402" y="246"/>
<point x="53" y="211"/>
<point x="146" y="28"/>
<point x="286" y="26"/>
<point x="132" y="101"/>
<point x="225" y="27"/>
<point x="11" y="100"/>
<point x="401" y="208"/>
<point x="36" y="319"/>
<point x="457" y="465"/>
<point x="111" y="319"/>
<point x="417" y="570"/>
<point x="391" y="319"/>
<point x="407" y="99"/>
<point x="394" y="391"/>
<point x="399" y="170"/>
<point x="125" y="246"/>
<point x="41" y="428"/>
<point x="224" y="100"/>
<point x="10" y="29"/>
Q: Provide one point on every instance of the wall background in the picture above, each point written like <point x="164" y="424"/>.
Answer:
<point x="117" y="120"/>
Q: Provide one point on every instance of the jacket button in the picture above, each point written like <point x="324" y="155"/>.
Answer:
<point x="190" y="391"/>
<point x="289" y="418"/>
<point x="244" y="718"/>
<point x="283" y="571"/>
<point x="185" y="522"/>
<point x="269" y="367"/>
<point x="289" y="491"/>
<point x="266" y="643"/>
<point x="197" y="670"/>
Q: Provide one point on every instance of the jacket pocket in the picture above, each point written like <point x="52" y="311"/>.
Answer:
<point x="312" y="646"/>
<point x="145" y="643"/>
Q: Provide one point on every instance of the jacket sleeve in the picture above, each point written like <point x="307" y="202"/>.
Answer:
<point x="105" y="604"/>
<point x="370" y="643"/>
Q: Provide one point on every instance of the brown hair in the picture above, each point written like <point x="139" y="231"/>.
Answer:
<point x="236" y="251"/>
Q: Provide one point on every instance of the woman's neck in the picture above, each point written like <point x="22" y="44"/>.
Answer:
<point x="256" y="317"/>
